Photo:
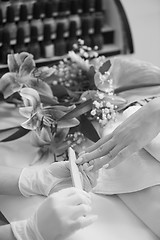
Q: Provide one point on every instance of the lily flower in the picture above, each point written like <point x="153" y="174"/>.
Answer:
<point x="43" y="119"/>
<point x="21" y="66"/>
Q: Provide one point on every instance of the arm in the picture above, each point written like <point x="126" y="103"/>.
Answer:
<point x="9" y="178"/>
<point x="129" y="137"/>
<point x="6" y="233"/>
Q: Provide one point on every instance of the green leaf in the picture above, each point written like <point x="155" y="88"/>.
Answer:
<point x="91" y="74"/>
<point x="105" y="67"/>
<point x="78" y="111"/>
<point x="15" y="133"/>
<point x="87" y="128"/>
<point x="48" y="100"/>
<point x="59" y="91"/>
<point x="68" y="123"/>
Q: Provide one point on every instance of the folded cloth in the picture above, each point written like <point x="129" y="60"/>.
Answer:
<point x="146" y="205"/>
<point x="134" y="174"/>
<point x="137" y="182"/>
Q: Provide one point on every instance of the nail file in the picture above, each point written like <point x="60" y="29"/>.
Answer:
<point x="75" y="174"/>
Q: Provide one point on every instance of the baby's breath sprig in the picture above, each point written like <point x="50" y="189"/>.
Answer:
<point x="84" y="51"/>
<point x="74" y="139"/>
<point x="103" y="111"/>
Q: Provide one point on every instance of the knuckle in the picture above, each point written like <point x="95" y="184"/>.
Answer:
<point x="86" y="208"/>
<point x="109" y="155"/>
<point x="100" y="148"/>
<point x="120" y="155"/>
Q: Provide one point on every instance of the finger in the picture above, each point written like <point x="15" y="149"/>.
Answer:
<point x="85" y="221"/>
<point x="60" y="169"/>
<point x="121" y="156"/>
<point x="81" y="210"/>
<point x="79" y="199"/>
<point x="99" y="152"/>
<point x="99" y="143"/>
<point x="100" y="162"/>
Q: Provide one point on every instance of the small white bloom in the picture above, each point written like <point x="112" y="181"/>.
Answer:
<point x="100" y="95"/>
<point x="93" y="112"/>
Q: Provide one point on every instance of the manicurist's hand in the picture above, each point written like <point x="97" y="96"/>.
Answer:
<point x="44" y="180"/>
<point x="129" y="137"/>
<point x="59" y="216"/>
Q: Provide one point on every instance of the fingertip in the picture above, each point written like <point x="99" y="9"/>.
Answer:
<point x="90" y="168"/>
<point x="81" y="153"/>
<point x="113" y="163"/>
<point x="94" y="218"/>
<point x="79" y="160"/>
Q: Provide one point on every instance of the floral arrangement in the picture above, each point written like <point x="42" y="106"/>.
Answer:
<point x="63" y="102"/>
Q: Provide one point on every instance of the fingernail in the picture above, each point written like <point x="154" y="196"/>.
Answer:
<point x="79" y="160"/>
<point x="81" y="153"/>
<point x="89" y="168"/>
<point x="91" y="162"/>
<point x="85" y="166"/>
<point x="106" y="166"/>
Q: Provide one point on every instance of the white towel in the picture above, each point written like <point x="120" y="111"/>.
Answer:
<point x="137" y="182"/>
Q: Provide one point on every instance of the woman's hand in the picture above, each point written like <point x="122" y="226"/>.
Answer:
<point x="129" y="137"/>
<point x="59" y="216"/>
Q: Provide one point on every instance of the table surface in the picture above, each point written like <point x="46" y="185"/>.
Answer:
<point x="115" y="220"/>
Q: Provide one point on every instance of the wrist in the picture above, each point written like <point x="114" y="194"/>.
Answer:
<point x="37" y="181"/>
<point x="26" y="229"/>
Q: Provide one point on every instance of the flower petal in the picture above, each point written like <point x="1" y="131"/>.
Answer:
<point x="41" y="87"/>
<point x="12" y="63"/>
<point x="31" y="123"/>
<point x="24" y="55"/>
<point x="127" y="71"/>
<point x="27" y="66"/>
<point x="26" y="111"/>
<point x="31" y="95"/>
<point x="36" y="140"/>
<point x="45" y="134"/>
<point x="8" y="84"/>
<point x="101" y="81"/>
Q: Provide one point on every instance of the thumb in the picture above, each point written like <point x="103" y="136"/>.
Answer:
<point x="60" y="169"/>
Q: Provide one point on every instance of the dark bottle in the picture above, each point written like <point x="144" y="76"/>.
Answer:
<point x="49" y="16"/>
<point x="60" y="43"/>
<point x="3" y="5"/>
<point x="29" y="4"/>
<point x="6" y="47"/>
<point x="10" y="24"/>
<point x="48" y="47"/>
<point x="36" y="20"/>
<point x="33" y="46"/>
<point x="72" y="39"/>
<point x="1" y="25"/>
<point x="97" y="37"/>
<point x="99" y="12"/>
<point x="74" y="16"/>
<point x="85" y="32"/>
<point x="20" y="41"/>
<point x="86" y="15"/>
<point x="23" y="20"/>
<point x="55" y="4"/>
<point x="16" y="5"/>
<point x="63" y="14"/>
